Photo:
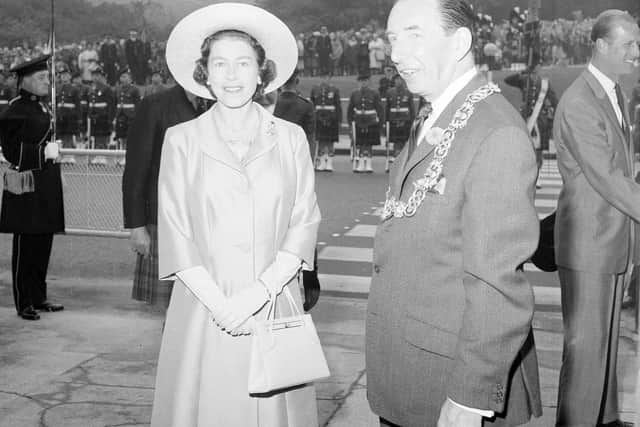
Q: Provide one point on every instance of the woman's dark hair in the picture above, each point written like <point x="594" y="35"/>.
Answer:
<point x="266" y="67"/>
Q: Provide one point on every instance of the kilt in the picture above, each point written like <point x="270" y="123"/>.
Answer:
<point x="399" y="131"/>
<point x="146" y="285"/>
<point x="367" y="136"/>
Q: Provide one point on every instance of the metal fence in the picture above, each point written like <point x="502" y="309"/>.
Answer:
<point x="92" y="187"/>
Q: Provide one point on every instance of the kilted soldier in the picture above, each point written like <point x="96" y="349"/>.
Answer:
<point x="101" y="106"/>
<point x="326" y="99"/>
<point x="400" y="114"/>
<point x="69" y="113"/>
<point x="83" y="89"/>
<point x="365" y="113"/>
<point x="32" y="203"/>
<point x="127" y="98"/>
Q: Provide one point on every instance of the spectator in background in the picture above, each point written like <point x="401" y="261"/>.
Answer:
<point x="336" y="54"/>
<point x="156" y="85"/>
<point x="87" y="62"/>
<point x="350" y="56"/>
<point x="362" y="54"/>
<point x="310" y="52"/>
<point x="323" y="46"/>
<point x="376" y="54"/>
<point x="109" y="59"/>
<point x="135" y="55"/>
<point x="300" y="44"/>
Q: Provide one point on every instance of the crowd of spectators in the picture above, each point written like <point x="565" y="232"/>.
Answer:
<point x="342" y="52"/>
<point x="143" y="58"/>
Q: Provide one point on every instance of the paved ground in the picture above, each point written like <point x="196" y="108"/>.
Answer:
<point x="94" y="363"/>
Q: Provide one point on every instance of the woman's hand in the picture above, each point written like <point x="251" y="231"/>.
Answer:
<point x="240" y="307"/>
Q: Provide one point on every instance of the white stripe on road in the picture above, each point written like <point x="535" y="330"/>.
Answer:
<point x="548" y="191"/>
<point x="546" y="203"/>
<point x="345" y="253"/>
<point x="550" y="182"/>
<point x="360" y="284"/>
<point x="362" y="230"/>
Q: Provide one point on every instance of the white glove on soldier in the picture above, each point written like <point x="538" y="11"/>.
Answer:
<point x="51" y="151"/>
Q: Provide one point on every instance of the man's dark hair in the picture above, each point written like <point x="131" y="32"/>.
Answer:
<point x="458" y="14"/>
<point x="607" y="21"/>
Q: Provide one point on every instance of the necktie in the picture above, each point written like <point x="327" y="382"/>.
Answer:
<point x="620" y="98"/>
<point x="423" y="115"/>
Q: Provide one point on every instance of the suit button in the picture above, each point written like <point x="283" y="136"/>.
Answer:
<point x="376" y="268"/>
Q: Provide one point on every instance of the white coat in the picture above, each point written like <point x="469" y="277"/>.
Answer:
<point x="232" y="218"/>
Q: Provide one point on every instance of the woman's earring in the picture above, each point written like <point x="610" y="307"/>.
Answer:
<point x="259" y="80"/>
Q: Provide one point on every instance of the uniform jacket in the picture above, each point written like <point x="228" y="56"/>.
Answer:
<point x="448" y="314"/>
<point x="399" y="112"/>
<point x="296" y="109"/>
<point x="24" y="132"/>
<point x="69" y="114"/>
<point x="326" y="101"/>
<point x="365" y="109"/>
<point x="156" y="114"/>
<point x="127" y="100"/>
<point x="6" y="95"/>
<point x="599" y="204"/>
<point x="101" y="106"/>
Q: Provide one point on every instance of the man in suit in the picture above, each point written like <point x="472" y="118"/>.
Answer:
<point x="448" y="325"/>
<point x="594" y="229"/>
<point x="156" y="113"/>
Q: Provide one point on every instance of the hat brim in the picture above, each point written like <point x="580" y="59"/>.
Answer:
<point x="183" y="45"/>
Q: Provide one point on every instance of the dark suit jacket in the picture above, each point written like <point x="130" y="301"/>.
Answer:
<point x="600" y="201"/>
<point x="449" y="314"/>
<point x="156" y="113"/>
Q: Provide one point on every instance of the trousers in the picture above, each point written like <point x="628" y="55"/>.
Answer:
<point x="29" y="264"/>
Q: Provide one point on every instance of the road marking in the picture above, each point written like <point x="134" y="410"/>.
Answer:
<point x="362" y="230"/>
<point x="548" y="191"/>
<point x="550" y="182"/>
<point x="345" y="253"/>
<point x="546" y="203"/>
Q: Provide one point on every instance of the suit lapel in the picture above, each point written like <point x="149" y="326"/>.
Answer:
<point x="213" y="145"/>
<point x="605" y="104"/>
<point x="424" y="150"/>
<point x="265" y="138"/>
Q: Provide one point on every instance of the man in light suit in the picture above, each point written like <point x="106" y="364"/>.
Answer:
<point x="594" y="229"/>
<point x="448" y="327"/>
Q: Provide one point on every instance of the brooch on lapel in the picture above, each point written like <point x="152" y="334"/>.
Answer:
<point x="271" y="128"/>
<point x="434" y="136"/>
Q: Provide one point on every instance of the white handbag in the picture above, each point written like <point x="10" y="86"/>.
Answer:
<point x="285" y="352"/>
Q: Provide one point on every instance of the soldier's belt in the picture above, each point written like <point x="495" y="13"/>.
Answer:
<point x="326" y="107"/>
<point x="399" y="110"/>
<point x="364" y="112"/>
<point x="126" y="105"/>
<point x="67" y="105"/>
<point x="3" y="102"/>
<point x="98" y="105"/>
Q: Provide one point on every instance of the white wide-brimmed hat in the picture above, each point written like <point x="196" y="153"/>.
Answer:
<point x="183" y="45"/>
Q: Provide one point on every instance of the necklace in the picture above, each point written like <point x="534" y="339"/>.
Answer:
<point x="397" y="208"/>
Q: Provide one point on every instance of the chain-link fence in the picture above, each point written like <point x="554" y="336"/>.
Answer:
<point x="92" y="187"/>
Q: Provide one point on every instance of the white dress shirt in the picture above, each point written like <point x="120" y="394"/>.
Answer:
<point x="609" y="87"/>
<point x="440" y="103"/>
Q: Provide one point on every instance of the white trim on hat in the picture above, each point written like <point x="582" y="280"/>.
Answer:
<point x="183" y="45"/>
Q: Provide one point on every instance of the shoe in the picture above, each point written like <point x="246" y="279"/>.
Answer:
<point x="29" y="314"/>
<point x="367" y="165"/>
<point x="49" y="306"/>
<point x="328" y="165"/>
<point x="320" y="165"/>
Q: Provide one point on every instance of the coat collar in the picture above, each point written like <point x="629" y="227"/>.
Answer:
<point x="213" y="145"/>
<point x="605" y="103"/>
<point x="424" y="149"/>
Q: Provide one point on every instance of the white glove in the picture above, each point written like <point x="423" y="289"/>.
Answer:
<point x="51" y="151"/>
<point x="280" y="272"/>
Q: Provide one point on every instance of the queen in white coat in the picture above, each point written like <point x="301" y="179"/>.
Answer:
<point x="237" y="220"/>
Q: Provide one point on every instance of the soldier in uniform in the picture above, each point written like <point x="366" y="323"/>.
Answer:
<point x="69" y="113"/>
<point x="326" y="99"/>
<point x="32" y="208"/>
<point x="365" y="113"/>
<point x="83" y="90"/>
<point x="127" y="98"/>
<point x="400" y="114"/>
<point x="101" y="106"/>
<point x="386" y="81"/>
<point x="291" y="106"/>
